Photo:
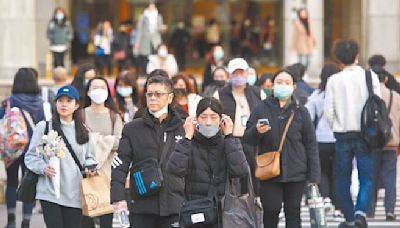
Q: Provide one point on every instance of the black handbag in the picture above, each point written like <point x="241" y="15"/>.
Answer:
<point x="199" y="213"/>
<point x="146" y="178"/>
<point x="202" y="212"/>
<point x="26" y="191"/>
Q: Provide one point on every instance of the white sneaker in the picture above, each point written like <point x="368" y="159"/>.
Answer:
<point x="328" y="205"/>
<point x="338" y="216"/>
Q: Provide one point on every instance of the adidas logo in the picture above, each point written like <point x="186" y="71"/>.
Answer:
<point x="153" y="185"/>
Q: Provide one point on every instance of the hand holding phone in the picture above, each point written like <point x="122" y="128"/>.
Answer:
<point x="264" y="121"/>
<point x="263" y="126"/>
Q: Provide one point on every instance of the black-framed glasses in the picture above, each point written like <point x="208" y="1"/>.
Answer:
<point x="156" y="94"/>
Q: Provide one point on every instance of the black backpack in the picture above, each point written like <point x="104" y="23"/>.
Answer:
<point x="375" y="122"/>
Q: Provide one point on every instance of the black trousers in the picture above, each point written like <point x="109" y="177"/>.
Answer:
<point x="106" y="221"/>
<point x="56" y="216"/>
<point x="273" y="194"/>
<point x="58" y="59"/>
<point x="154" y="221"/>
<point x="250" y="153"/>
<point x="327" y="158"/>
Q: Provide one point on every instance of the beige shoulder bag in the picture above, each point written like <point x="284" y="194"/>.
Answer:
<point x="268" y="163"/>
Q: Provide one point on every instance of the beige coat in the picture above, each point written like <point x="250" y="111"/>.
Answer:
<point x="394" y="116"/>
<point x="302" y="43"/>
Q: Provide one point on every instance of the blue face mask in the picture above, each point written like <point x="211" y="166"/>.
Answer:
<point x="283" y="92"/>
<point x="218" y="54"/>
<point x="251" y="79"/>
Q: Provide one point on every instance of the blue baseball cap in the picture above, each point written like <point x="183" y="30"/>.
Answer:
<point x="69" y="91"/>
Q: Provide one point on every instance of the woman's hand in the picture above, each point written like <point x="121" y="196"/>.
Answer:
<point x="190" y="127"/>
<point x="262" y="128"/>
<point x="90" y="172"/>
<point x="49" y="171"/>
<point x="226" y="125"/>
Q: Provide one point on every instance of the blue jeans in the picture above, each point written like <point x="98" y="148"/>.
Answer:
<point x="346" y="149"/>
<point x="304" y="59"/>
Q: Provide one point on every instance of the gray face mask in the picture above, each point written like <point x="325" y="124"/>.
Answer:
<point x="208" y="131"/>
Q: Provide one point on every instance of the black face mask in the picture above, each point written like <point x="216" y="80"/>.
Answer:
<point x="219" y="83"/>
<point x="180" y="91"/>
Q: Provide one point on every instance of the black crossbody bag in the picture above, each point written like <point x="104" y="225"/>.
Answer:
<point x="146" y="176"/>
<point x="26" y="191"/>
<point x="202" y="212"/>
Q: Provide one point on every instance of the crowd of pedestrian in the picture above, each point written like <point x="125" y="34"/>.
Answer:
<point x="169" y="151"/>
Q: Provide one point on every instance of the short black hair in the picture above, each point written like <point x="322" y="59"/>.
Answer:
<point x="159" y="72"/>
<point x="158" y="79"/>
<point x="26" y="81"/>
<point x="346" y="51"/>
<point x="377" y="60"/>
<point x="209" y="102"/>
<point x="264" y="77"/>
<point x="382" y="73"/>
<point x="290" y="70"/>
<point x="299" y="69"/>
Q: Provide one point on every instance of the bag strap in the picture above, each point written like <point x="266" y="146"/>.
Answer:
<point x="390" y="101"/>
<point x="285" y="132"/>
<point x="368" y="79"/>
<point x="71" y="151"/>
<point x="28" y="118"/>
<point x="46" y="130"/>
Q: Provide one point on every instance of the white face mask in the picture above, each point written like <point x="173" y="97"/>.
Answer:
<point x="98" y="96"/>
<point x="159" y="113"/>
<point x="163" y="53"/>
<point x="124" y="91"/>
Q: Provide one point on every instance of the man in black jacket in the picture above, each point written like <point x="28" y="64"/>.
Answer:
<point x="145" y="138"/>
<point x="238" y="99"/>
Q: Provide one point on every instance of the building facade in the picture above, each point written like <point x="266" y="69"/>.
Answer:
<point x="374" y="24"/>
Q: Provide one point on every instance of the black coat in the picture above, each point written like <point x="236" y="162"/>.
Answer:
<point x="299" y="157"/>
<point x="145" y="138"/>
<point x="253" y="97"/>
<point x="196" y="159"/>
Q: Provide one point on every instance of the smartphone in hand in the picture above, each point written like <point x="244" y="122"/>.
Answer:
<point x="263" y="121"/>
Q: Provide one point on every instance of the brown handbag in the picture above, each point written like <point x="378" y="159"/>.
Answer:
<point x="268" y="163"/>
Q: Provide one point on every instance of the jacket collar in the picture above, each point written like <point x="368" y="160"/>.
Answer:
<point x="291" y="106"/>
<point x="171" y="123"/>
<point x="213" y="141"/>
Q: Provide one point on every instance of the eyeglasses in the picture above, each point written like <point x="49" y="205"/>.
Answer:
<point x="156" y="94"/>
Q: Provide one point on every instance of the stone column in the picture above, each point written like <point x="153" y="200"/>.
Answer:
<point x="23" y="42"/>
<point x="316" y="12"/>
<point x="382" y="31"/>
<point x="18" y="38"/>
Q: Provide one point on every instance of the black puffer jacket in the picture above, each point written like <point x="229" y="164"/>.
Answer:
<point x="145" y="138"/>
<point x="195" y="160"/>
<point x="299" y="157"/>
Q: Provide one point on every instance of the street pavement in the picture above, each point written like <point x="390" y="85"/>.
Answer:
<point x="378" y="222"/>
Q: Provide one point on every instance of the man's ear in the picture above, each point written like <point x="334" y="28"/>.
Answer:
<point x="170" y="98"/>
